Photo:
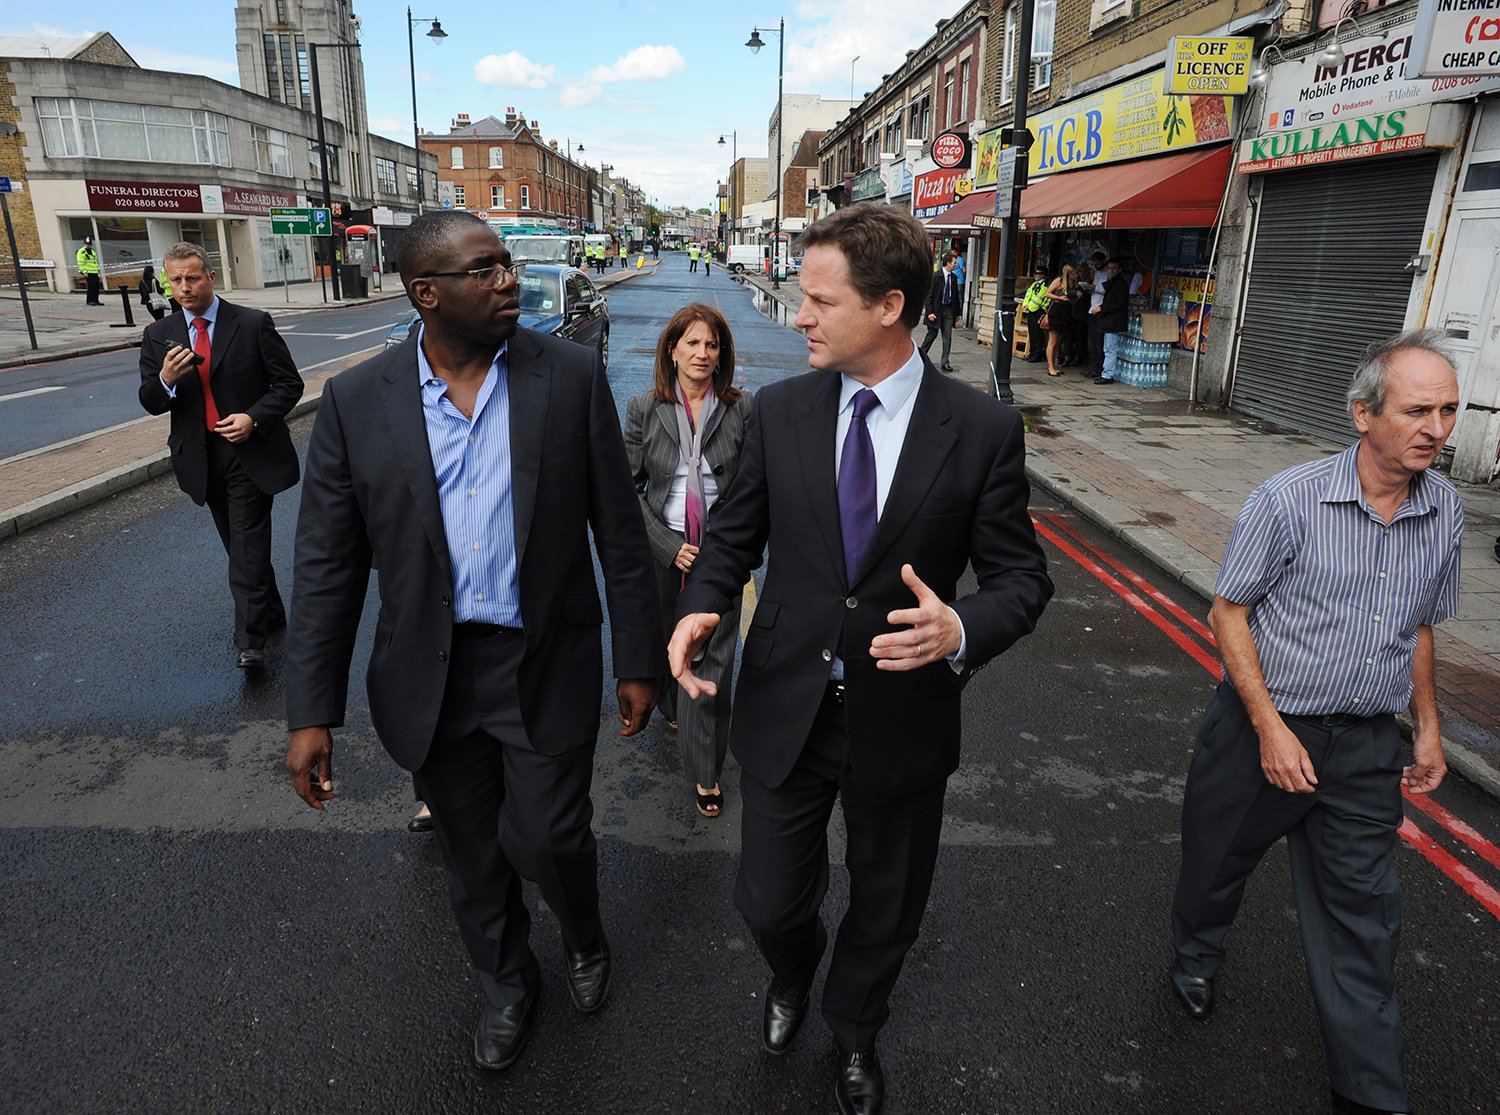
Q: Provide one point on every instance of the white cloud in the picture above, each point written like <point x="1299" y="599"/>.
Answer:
<point x="830" y="33"/>
<point x="154" y="58"/>
<point x="576" y="96"/>
<point x="644" y="63"/>
<point x="513" y="70"/>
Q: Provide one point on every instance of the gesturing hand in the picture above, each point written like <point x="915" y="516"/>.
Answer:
<point x="934" y="633"/>
<point x="309" y="760"/>
<point x="688" y="637"/>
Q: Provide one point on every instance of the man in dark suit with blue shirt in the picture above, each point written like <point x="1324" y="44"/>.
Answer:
<point x="876" y="481"/>
<point x="469" y="466"/>
<point x="228" y="380"/>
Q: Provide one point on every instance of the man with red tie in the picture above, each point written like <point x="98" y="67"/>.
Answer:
<point x="229" y="381"/>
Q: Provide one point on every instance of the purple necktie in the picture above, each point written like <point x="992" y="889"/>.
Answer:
<point x="857" y="484"/>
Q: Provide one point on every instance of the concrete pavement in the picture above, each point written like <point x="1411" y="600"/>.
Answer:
<point x="1168" y="477"/>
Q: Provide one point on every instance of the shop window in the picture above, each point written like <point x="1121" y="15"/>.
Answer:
<point x="273" y="151"/>
<point x="316" y="164"/>
<point x="1483" y="176"/>
<point x="1043" y="32"/>
<point x="1008" y="58"/>
<point x="456" y="158"/>
<point x="75" y="128"/>
<point x="460" y="201"/>
<point x="497" y="158"/>
<point x="385" y="174"/>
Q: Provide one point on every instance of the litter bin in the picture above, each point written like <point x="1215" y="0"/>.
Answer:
<point x="352" y="280"/>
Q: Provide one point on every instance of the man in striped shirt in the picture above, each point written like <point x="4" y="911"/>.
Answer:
<point x="1336" y="572"/>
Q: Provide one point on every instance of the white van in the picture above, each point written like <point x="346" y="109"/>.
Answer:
<point x="748" y="257"/>
<point x="545" y="248"/>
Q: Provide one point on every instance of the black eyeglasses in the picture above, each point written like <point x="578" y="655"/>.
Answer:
<point x="485" y="275"/>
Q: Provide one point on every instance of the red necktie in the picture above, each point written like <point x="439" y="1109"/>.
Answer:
<point x="200" y="346"/>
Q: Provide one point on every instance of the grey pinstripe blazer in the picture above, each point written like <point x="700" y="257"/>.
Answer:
<point x="654" y="452"/>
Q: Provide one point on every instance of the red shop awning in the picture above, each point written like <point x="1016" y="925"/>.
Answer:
<point x="961" y="214"/>
<point x="1165" y="191"/>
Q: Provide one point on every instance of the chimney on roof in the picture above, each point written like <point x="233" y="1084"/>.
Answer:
<point x="510" y="114"/>
<point x="461" y="121"/>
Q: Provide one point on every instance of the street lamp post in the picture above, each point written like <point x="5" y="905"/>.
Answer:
<point x="734" y="158"/>
<point x="755" y="43"/>
<point x="437" y="35"/>
<point x="312" y="61"/>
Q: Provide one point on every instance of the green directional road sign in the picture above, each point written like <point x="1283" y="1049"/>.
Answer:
<point x="301" y="222"/>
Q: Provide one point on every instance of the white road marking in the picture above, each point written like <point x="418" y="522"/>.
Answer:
<point x="33" y="391"/>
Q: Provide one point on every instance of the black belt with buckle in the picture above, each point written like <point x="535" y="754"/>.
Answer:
<point x="1335" y="720"/>
<point x="480" y="630"/>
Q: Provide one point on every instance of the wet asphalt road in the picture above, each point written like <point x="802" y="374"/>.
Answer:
<point x="181" y="934"/>
<point x="91" y="393"/>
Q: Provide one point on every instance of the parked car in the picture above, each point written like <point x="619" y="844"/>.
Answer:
<point x="562" y="301"/>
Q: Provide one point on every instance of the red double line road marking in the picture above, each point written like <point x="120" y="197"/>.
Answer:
<point x="1094" y="562"/>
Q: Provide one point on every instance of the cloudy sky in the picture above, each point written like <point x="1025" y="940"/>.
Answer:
<point x="645" y="85"/>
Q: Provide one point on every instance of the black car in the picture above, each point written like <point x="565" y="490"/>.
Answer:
<point x="555" y="299"/>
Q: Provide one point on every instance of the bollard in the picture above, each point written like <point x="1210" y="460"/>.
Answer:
<point x="129" y="322"/>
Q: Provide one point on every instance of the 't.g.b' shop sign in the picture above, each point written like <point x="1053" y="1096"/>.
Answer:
<point x="1124" y="121"/>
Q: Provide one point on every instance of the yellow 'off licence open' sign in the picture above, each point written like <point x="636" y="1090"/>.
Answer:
<point x="1219" y="66"/>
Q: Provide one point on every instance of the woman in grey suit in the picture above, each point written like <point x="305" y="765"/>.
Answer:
<point x="683" y="440"/>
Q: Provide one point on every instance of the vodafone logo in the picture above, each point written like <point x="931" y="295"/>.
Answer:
<point x="1481" y="30"/>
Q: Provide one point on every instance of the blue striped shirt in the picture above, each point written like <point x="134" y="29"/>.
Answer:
<point x="1337" y="594"/>
<point x="471" y="459"/>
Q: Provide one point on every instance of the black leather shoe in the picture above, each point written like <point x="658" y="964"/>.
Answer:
<point x="1340" y="1105"/>
<point x="589" y="975"/>
<point x="947" y="367"/>
<point x="1195" y="994"/>
<point x="786" y="1008"/>
<point x="860" y="1087"/>
<point x="502" y="1030"/>
<point x="420" y="822"/>
<point x="250" y="659"/>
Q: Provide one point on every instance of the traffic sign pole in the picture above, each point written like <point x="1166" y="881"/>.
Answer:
<point x="15" y="258"/>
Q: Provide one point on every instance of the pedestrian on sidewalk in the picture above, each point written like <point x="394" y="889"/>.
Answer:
<point x="943" y="308"/>
<point x="692" y="251"/>
<point x="1301" y="738"/>
<point x="1114" y="318"/>
<point x="1059" y="319"/>
<point x="1098" y="262"/>
<point x="151" y="293"/>
<point x="229" y="385"/>
<point x="853" y="668"/>
<point x="88" y="267"/>
<point x="470" y="466"/>
<point x="683" y="440"/>
<point x="708" y="261"/>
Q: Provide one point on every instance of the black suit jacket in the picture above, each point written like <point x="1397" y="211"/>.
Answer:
<point x="958" y="498"/>
<point x="251" y="372"/>
<point x="370" y="498"/>
<point x="935" y="295"/>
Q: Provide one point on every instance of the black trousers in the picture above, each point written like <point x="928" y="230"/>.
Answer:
<point x="943" y="324"/>
<point x="1096" y="346"/>
<point x="91" y="294"/>
<point x="242" y="514"/>
<point x="892" y="851"/>
<point x="1341" y="841"/>
<point x="503" y="811"/>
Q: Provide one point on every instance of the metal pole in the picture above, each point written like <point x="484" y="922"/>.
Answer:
<point x="312" y="55"/>
<point x="1001" y="349"/>
<point x="15" y="259"/>
<point x="416" y="135"/>
<point x="780" y="143"/>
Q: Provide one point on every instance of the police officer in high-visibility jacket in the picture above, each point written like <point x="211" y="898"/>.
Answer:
<point x="1035" y="303"/>
<point x="166" y="286"/>
<point x="88" y="267"/>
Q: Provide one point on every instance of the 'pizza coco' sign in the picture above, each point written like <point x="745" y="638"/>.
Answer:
<point x="951" y="151"/>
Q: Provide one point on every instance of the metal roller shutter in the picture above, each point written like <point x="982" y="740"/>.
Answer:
<point x="1327" y="279"/>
